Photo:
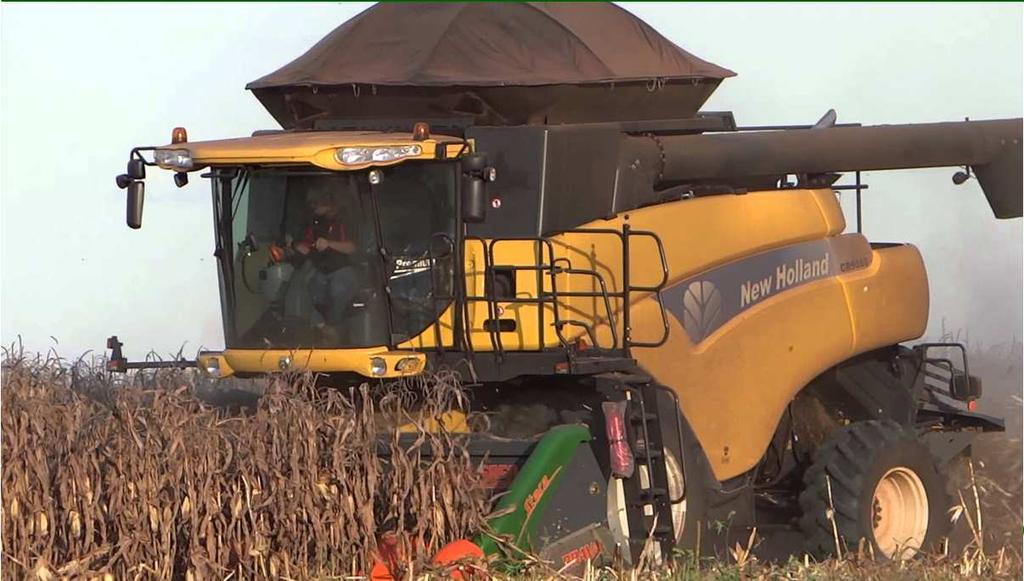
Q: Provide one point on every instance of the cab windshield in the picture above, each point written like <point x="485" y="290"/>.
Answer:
<point x="312" y="258"/>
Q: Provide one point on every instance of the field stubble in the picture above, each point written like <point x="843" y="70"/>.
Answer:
<point x="152" y="477"/>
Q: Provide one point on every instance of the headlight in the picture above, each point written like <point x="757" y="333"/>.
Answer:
<point x="378" y="366"/>
<point x="179" y="159"/>
<point x="407" y="365"/>
<point x="361" y="155"/>
<point x="212" y="367"/>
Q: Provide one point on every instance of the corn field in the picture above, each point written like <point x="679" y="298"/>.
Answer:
<point x="154" y="475"/>
<point x="147" y="480"/>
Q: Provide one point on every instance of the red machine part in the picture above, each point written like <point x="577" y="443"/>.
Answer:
<point x="622" y="460"/>
<point x="457" y="557"/>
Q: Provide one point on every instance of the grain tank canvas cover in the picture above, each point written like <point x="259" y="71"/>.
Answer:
<point x="496" y="63"/>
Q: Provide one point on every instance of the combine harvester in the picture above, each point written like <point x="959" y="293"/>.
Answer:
<point x="530" y="195"/>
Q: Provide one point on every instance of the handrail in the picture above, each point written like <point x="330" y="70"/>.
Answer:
<point x="655" y="289"/>
<point x="545" y="262"/>
<point x="604" y="294"/>
<point x="661" y="256"/>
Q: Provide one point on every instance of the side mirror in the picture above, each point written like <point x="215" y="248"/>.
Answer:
<point x="136" y="196"/>
<point x="474" y="162"/>
<point x="474" y="187"/>
<point x="965" y="387"/>
<point x="136" y="169"/>
<point x="474" y="199"/>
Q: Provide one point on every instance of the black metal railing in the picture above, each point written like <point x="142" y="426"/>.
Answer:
<point x="547" y="267"/>
<point x="942" y="375"/>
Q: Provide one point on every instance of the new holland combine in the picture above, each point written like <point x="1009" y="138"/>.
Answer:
<point x="683" y="334"/>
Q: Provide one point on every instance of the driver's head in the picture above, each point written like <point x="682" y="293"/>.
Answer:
<point x="323" y="203"/>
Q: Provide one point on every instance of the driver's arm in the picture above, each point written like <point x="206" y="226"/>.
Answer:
<point x="342" y="246"/>
<point x="338" y="241"/>
<point x="307" y="242"/>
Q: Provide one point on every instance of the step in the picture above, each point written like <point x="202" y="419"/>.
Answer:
<point x="637" y="418"/>
<point x="649" y="496"/>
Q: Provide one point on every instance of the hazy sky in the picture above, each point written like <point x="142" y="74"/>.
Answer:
<point x="81" y="84"/>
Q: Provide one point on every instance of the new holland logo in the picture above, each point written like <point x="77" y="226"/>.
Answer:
<point x="702" y="307"/>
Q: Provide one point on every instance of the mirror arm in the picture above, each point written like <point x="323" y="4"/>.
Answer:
<point x="136" y="153"/>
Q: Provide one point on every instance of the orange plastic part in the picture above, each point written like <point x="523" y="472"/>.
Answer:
<point x="420" y="131"/>
<point x="276" y="253"/>
<point x="390" y="558"/>
<point x="456" y="551"/>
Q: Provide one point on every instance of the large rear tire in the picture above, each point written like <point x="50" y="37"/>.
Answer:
<point x="887" y="494"/>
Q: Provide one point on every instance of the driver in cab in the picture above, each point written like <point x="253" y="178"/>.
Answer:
<point x="322" y="289"/>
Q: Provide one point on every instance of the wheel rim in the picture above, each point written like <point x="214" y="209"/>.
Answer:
<point x="899" y="513"/>
<point x="676" y="490"/>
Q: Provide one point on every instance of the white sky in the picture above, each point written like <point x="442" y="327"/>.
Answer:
<point x="81" y="84"/>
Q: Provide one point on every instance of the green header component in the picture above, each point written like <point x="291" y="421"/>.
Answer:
<point x="527" y="498"/>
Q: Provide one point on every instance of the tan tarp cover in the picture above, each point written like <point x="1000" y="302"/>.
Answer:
<point x="483" y="45"/>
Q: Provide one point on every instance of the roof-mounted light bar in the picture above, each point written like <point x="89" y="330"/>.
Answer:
<point x="383" y="154"/>
<point x="176" y="159"/>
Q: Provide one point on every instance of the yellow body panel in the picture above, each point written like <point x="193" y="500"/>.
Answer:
<point x="317" y="360"/>
<point x="766" y="354"/>
<point x="888" y="301"/>
<point x="697" y="234"/>
<point x="525" y="337"/>
<point x="316" y="148"/>
<point x="701" y="234"/>
<point x="733" y="384"/>
<point x="453" y="422"/>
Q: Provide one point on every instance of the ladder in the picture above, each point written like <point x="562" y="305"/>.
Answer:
<point x="648" y="504"/>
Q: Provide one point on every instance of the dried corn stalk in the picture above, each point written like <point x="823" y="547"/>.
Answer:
<point x="147" y="480"/>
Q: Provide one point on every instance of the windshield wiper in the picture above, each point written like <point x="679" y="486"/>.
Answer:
<point x="382" y="251"/>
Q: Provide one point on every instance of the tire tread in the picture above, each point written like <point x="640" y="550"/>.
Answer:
<point x="846" y="460"/>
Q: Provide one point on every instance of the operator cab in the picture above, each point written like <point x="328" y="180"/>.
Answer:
<point x="346" y="242"/>
<point x="333" y="259"/>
